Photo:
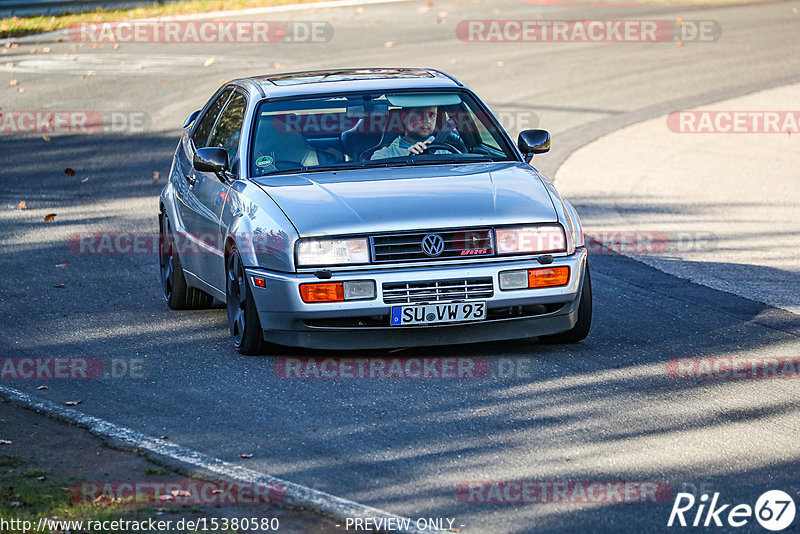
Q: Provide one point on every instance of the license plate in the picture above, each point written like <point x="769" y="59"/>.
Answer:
<point x="451" y="312"/>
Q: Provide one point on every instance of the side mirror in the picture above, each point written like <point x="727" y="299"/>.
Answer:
<point x="191" y="119"/>
<point x="211" y="159"/>
<point x="532" y="142"/>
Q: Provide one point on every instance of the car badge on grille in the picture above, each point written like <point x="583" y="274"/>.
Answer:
<point x="432" y="245"/>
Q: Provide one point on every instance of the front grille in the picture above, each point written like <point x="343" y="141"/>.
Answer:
<point x="439" y="290"/>
<point x="408" y="246"/>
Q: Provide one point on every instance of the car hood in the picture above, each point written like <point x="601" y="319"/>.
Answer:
<point x="378" y="200"/>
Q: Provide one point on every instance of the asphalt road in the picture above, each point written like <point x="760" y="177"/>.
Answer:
<point x="603" y="410"/>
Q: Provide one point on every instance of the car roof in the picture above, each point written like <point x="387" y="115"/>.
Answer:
<point x="345" y="80"/>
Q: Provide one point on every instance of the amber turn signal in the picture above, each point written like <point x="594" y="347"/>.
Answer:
<point x="549" y="277"/>
<point x="322" y="292"/>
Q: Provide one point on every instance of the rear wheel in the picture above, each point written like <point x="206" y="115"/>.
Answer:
<point x="176" y="292"/>
<point x="245" y="327"/>
<point x="584" y="323"/>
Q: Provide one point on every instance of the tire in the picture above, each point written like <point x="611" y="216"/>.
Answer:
<point x="174" y="289"/>
<point x="246" y="334"/>
<point x="584" y="323"/>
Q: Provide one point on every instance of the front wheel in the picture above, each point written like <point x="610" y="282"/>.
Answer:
<point x="245" y="327"/>
<point x="584" y="323"/>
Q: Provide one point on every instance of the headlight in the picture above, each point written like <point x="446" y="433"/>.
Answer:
<point x="531" y="239"/>
<point x="322" y="252"/>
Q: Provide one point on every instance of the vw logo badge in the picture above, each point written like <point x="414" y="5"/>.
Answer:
<point x="432" y="245"/>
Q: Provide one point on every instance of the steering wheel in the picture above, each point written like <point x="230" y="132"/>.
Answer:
<point x="439" y="146"/>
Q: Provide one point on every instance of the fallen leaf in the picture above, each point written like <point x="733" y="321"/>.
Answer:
<point x="480" y="410"/>
<point x="155" y="177"/>
<point x="499" y="63"/>
<point x="679" y="43"/>
<point x="21" y="205"/>
<point x="50" y="217"/>
<point x="60" y="286"/>
<point x="208" y="62"/>
<point x="46" y="138"/>
<point x="679" y="21"/>
<point x="20" y="89"/>
<point x="40" y="388"/>
<point x="91" y="73"/>
<point x="442" y="14"/>
<point x="5" y="442"/>
<point x="73" y="403"/>
<point x="389" y="44"/>
<point x="245" y="455"/>
<point x="455" y="61"/>
<point x="62" y="265"/>
<point x="69" y="171"/>
<point x="13" y="82"/>
<point x="277" y="65"/>
<point x="746" y="48"/>
<point x="115" y="46"/>
<point x="46" y="50"/>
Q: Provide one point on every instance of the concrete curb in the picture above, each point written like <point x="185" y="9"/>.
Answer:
<point x="219" y="14"/>
<point x="193" y="463"/>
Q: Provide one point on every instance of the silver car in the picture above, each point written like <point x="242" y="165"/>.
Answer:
<point x="368" y="208"/>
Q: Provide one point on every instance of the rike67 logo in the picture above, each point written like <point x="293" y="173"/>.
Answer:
<point x="774" y="510"/>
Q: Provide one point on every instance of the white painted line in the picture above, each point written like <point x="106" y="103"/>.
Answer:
<point x="193" y="462"/>
<point x="222" y="14"/>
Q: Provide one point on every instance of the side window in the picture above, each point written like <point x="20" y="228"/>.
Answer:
<point x="200" y="135"/>
<point x="228" y="130"/>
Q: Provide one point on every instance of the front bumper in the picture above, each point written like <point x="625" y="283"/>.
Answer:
<point x="364" y="324"/>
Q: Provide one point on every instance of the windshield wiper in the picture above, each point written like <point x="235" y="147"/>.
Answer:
<point x="327" y="168"/>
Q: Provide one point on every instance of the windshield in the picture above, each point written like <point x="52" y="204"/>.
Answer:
<point x="374" y="129"/>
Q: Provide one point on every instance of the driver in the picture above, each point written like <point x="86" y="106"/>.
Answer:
<point x="418" y="124"/>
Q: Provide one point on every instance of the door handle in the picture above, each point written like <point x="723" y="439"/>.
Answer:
<point x="191" y="179"/>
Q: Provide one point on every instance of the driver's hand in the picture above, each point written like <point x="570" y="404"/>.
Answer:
<point x="418" y="148"/>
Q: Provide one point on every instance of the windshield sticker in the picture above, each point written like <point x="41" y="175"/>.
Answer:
<point x="264" y="161"/>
